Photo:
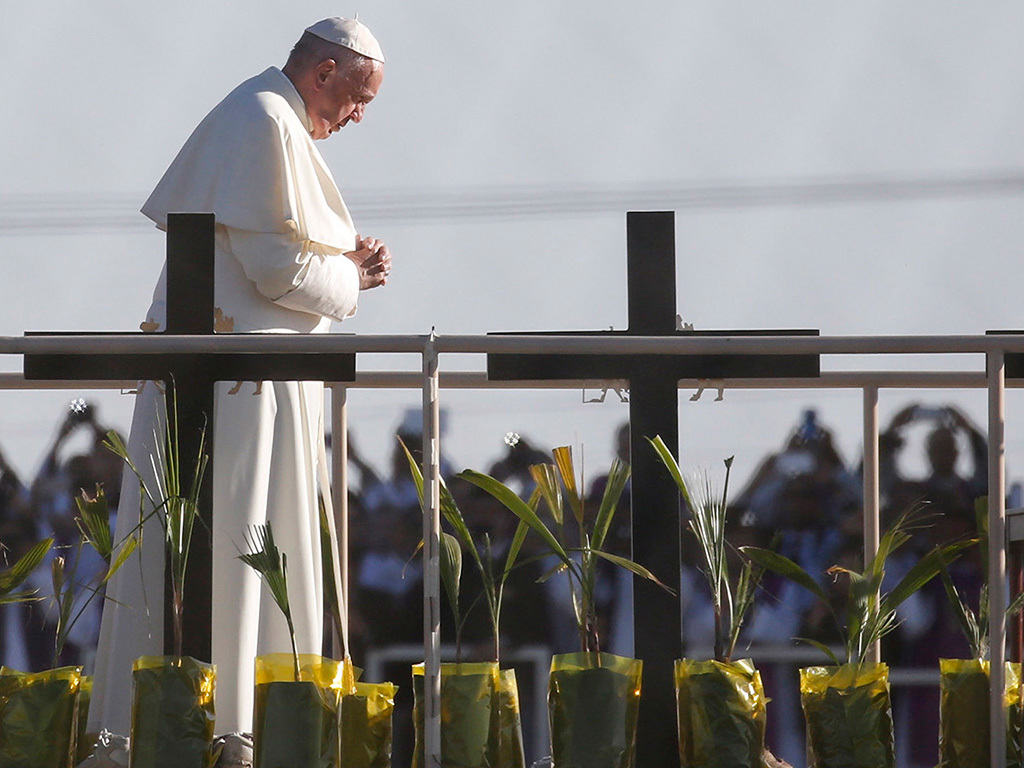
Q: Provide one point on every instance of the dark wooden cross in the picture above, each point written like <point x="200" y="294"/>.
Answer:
<point x="653" y="410"/>
<point x="190" y="377"/>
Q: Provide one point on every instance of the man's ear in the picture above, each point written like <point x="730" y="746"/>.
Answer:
<point x="324" y="71"/>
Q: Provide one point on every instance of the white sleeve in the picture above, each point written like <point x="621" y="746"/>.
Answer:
<point x="297" y="275"/>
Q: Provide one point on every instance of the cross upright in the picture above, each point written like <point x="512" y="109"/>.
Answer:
<point x="653" y="410"/>
<point x="190" y="378"/>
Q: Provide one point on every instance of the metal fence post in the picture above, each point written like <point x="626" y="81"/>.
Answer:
<point x="871" y="502"/>
<point x="997" y="554"/>
<point x="431" y="558"/>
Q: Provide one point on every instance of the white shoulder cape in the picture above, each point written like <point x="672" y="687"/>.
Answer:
<point x="252" y="163"/>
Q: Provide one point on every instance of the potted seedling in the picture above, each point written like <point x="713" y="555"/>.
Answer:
<point x="292" y="713"/>
<point x="486" y="697"/>
<point x="72" y="597"/>
<point x="37" y="711"/>
<point x="172" y="696"/>
<point x="846" y="706"/>
<point x="964" y="684"/>
<point x="360" y="728"/>
<point x="720" y="702"/>
<point x="593" y="697"/>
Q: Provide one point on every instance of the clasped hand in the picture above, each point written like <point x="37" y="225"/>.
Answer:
<point x="373" y="260"/>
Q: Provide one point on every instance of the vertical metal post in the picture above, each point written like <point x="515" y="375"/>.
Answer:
<point x="871" y="495"/>
<point x="431" y="558"/>
<point x="997" y="554"/>
<point x="339" y="482"/>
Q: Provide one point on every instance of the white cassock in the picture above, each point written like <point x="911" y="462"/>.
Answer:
<point x="281" y="229"/>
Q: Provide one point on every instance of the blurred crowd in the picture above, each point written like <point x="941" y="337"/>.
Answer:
<point x="804" y="500"/>
<point x="43" y="507"/>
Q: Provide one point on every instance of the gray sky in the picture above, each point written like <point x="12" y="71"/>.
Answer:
<point x="651" y="105"/>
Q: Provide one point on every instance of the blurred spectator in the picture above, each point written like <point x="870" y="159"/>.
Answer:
<point x="929" y="628"/>
<point x="17" y="535"/>
<point x="53" y="509"/>
<point x="388" y="579"/>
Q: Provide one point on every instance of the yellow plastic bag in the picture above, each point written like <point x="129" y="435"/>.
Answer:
<point x="366" y="725"/>
<point x="172" y="712"/>
<point x="39" y="717"/>
<point x="468" y="715"/>
<point x="509" y="747"/>
<point x="720" y="713"/>
<point x="295" y="722"/>
<point x="593" y="703"/>
<point x="964" y="714"/>
<point x="848" y="715"/>
<point x="85" y="741"/>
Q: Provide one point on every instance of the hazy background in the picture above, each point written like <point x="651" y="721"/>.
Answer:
<point x="491" y="115"/>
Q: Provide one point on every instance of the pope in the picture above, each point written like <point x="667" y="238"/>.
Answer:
<point x="288" y="260"/>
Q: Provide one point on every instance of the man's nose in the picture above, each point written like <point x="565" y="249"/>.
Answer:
<point x="357" y="114"/>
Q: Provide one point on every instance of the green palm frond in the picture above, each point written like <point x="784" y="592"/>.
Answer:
<point x="13" y="577"/>
<point x="618" y="476"/>
<point x="272" y="565"/>
<point x="563" y="460"/>
<point x="94" y="521"/>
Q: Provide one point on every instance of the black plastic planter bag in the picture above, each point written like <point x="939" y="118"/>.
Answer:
<point x="295" y="722"/>
<point x="721" y="714"/>
<point x="593" y="702"/>
<point x="172" y="713"/>
<point x="469" y="716"/>
<point x="85" y="741"/>
<point x="39" y="718"/>
<point x="509" y="746"/>
<point x="849" y="718"/>
<point x="964" y="714"/>
<point x="366" y="725"/>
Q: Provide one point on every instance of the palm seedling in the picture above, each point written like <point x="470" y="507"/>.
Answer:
<point x="869" y="614"/>
<point x="492" y="576"/>
<point x="14" y="576"/>
<point x="579" y="562"/>
<point x="174" y="500"/>
<point x="93" y="521"/>
<point x="974" y="624"/>
<point x="272" y="565"/>
<point x="730" y="601"/>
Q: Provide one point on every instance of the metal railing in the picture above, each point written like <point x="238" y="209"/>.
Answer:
<point x="431" y="381"/>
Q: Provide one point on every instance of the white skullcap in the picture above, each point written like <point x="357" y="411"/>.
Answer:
<point x="348" y="33"/>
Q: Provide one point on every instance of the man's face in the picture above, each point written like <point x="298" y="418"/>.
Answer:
<point x="341" y="96"/>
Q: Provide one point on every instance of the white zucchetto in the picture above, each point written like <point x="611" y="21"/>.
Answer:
<point x="348" y="33"/>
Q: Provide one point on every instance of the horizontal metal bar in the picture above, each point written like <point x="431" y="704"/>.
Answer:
<point x="480" y="344"/>
<point x="479" y="380"/>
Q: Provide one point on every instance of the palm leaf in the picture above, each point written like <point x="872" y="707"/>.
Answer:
<point x="670" y="464"/>
<point x="451" y="571"/>
<point x="94" y="521"/>
<point x="449" y="509"/>
<point x="785" y="567"/>
<point x="1016" y="606"/>
<point x="331" y="597"/>
<point x="629" y="565"/>
<point x="126" y="550"/>
<point x="546" y="478"/>
<point x="927" y="568"/>
<point x="964" y="615"/>
<point x="551" y="572"/>
<point x="11" y="578"/>
<point x="518" y="507"/>
<point x="28" y="596"/>
<point x="618" y="476"/>
<point x="563" y="460"/>
<point x="821" y="647"/>
<point x="514" y="548"/>
<point x="272" y="565"/>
